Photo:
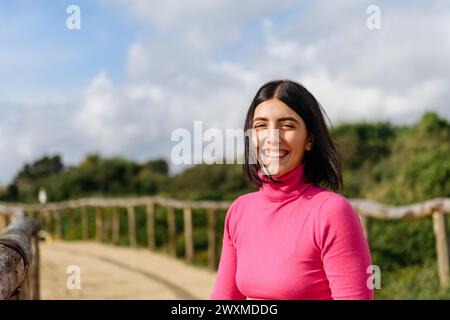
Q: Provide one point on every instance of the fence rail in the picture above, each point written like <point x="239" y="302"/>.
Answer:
<point x="367" y="210"/>
<point x="19" y="259"/>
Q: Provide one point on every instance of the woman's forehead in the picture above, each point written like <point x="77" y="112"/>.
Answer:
<point x="273" y="110"/>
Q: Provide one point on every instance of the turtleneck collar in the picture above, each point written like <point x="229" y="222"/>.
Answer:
<point x="293" y="185"/>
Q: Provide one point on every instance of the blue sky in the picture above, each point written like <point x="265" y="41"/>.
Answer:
<point x="40" y="53"/>
<point x="139" y="69"/>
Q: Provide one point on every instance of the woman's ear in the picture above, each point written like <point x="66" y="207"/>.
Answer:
<point x="309" y="142"/>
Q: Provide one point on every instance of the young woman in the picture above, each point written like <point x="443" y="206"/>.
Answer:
<point x="295" y="238"/>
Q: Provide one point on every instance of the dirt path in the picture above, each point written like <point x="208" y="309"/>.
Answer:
<point x="109" y="272"/>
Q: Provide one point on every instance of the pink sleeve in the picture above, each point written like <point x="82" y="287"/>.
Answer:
<point x="344" y="250"/>
<point x="225" y="287"/>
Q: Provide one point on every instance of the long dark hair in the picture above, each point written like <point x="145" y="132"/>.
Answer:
<point x="322" y="163"/>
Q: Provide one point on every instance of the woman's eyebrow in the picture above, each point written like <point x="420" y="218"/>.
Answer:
<point x="288" y="118"/>
<point x="279" y="120"/>
<point x="260" y="118"/>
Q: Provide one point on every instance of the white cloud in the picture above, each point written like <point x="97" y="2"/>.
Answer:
<point x="205" y="60"/>
<point x="188" y="76"/>
<point x="117" y="119"/>
<point x="31" y="129"/>
<point x="138" y="62"/>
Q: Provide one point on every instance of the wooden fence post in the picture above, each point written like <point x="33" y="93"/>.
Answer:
<point x="132" y="227"/>
<point x="7" y="219"/>
<point x="212" y="235"/>
<point x="58" y="225"/>
<point x="25" y="293"/>
<point x="84" y="223"/>
<point x="34" y="291"/>
<point x="151" y="226"/>
<point x="48" y="221"/>
<point x="98" y="224"/>
<point x="41" y="219"/>
<point x="440" y="231"/>
<point x="2" y="221"/>
<point x="188" y="235"/>
<point x="171" y="222"/>
<point x="16" y="254"/>
<point x="116" y="226"/>
<point x="107" y="217"/>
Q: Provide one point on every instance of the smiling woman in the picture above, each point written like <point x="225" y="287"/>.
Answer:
<point x="295" y="238"/>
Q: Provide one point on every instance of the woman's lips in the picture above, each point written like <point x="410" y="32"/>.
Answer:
<point x="279" y="154"/>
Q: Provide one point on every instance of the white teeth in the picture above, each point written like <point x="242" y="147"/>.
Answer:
<point x="279" y="154"/>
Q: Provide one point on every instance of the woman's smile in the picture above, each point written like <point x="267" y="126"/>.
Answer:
<point x="275" y="154"/>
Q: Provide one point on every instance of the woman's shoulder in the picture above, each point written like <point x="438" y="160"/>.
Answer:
<point x="333" y="207"/>
<point x="328" y="201"/>
<point x="243" y="200"/>
<point x="235" y="211"/>
<point x="239" y="204"/>
<point x="321" y="194"/>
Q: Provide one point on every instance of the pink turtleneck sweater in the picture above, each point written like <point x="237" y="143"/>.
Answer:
<point x="293" y="241"/>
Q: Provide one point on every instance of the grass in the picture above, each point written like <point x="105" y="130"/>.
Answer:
<point x="418" y="282"/>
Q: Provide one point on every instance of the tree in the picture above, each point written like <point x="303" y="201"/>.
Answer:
<point x="42" y="167"/>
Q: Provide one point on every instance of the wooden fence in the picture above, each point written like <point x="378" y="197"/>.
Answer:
<point x="19" y="257"/>
<point x="366" y="209"/>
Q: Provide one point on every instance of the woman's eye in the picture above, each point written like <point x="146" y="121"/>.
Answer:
<point x="288" y="126"/>
<point x="259" y="125"/>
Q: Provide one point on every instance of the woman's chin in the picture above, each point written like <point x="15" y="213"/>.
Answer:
<point x="276" y="170"/>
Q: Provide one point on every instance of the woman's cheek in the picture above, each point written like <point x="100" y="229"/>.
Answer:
<point x="257" y="141"/>
<point x="254" y="140"/>
<point x="260" y="138"/>
<point x="296" y="143"/>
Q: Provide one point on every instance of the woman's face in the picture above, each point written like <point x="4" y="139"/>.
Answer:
<point x="279" y="136"/>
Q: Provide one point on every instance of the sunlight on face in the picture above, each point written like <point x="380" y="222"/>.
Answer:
<point x="279" y="136"/>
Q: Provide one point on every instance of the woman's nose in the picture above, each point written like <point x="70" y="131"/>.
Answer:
<point x="273" y="137"/>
